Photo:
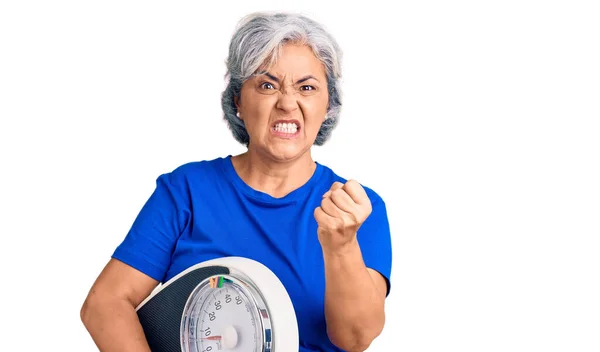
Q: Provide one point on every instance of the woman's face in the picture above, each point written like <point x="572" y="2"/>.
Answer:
<point x="284" y="107"/>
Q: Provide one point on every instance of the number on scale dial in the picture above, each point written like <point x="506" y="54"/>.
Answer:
<point x="225" y="314"/>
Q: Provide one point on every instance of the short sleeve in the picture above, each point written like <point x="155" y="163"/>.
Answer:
<point x="374" y="239"/>
<point x="151" y="239"/>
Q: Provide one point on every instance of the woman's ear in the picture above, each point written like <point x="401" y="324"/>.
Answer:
<point x="237" y="105"/>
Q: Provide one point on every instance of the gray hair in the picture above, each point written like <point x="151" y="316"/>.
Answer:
<point x="257" y="41"/>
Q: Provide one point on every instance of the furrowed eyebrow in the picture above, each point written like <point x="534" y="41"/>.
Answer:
<point x="271" y="76"/>
<point x="301" y="80"/>
<point x="304" y="79"/>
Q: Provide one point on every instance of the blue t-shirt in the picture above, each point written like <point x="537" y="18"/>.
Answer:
<point x="204" y="210"/>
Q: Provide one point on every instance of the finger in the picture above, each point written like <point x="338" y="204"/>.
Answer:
<point x="321" y="216"/>
<point x="356" y="192"/>
<point x="342" y="200"/>
<point x="334" y="186"/>
<point x="318" y="214"/>
<point x="330" y="208"/>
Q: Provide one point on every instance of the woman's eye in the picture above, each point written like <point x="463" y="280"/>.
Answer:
<point x="267" y="85"/>
<point x="307" y="88"/>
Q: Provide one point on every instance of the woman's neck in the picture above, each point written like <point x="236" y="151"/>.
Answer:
<point x="273" y="177"/>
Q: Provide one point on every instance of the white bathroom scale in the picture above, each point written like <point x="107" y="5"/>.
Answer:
<point x="230" y="304"/>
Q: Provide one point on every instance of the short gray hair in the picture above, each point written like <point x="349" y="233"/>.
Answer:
<point x="257" y="41"/>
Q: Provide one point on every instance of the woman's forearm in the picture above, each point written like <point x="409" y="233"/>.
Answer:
<point x="354" y="308"/>
<point x="114" y="326"/>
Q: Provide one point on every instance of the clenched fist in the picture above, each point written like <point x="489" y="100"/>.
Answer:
<point x="343" y="210"/>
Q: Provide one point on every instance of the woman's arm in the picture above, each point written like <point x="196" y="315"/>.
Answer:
<point x="354" y="294"/>
<point x="354" y="299"/>
<point x="108" y="312"/>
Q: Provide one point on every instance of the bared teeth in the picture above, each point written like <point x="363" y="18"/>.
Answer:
<point x="286" y="127"/>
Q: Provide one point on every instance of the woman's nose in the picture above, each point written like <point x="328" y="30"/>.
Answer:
<point x="287" y="100"/>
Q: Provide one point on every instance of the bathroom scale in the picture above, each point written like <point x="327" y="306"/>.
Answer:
<point x="229" y="304"/>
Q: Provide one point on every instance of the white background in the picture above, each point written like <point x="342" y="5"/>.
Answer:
<point x="477" y="121"/>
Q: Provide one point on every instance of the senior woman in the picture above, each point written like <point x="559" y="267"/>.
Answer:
<point x="325" y="237"/>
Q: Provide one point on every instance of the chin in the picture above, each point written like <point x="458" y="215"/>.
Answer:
<point x="288" y="153"/>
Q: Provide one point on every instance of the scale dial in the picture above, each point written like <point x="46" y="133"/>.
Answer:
<point x="225" y="313"/>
